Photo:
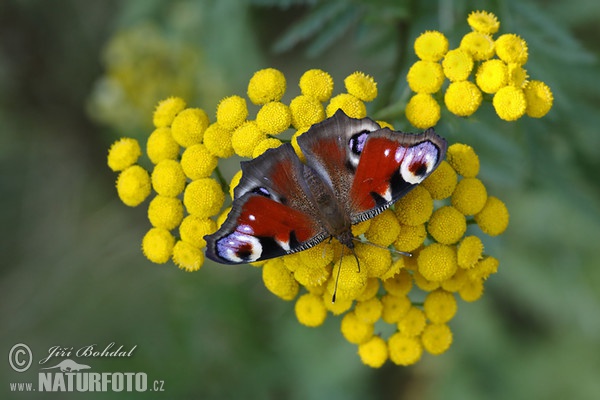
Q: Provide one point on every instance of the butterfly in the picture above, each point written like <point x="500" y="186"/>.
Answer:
<point x="353" y="170"/>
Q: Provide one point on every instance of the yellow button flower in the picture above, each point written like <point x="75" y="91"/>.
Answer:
<point x="410" y="237"/>
<point x="197" y="162"/>
<point x="306" y="111"/>
<point x="188" y="126"/>
<point x="404" y="350"/>
<point x="264" y="145"/>
<point x="361" y="86"/>
<point x="469" y="252"/>
<point x="246" y="137"/>
<point x="279" y="280"/>
<point x="161" y="146"/>
<point x="232" y="111"/>
<point x="493" y="218"/>
<point x="187" y="256"/>
<point x="517" y="75"/>
<point x="436" y="338"/>
<point x="361" y="228"/>
<point x="166" y="110"/>
<point x="423" y="111"/>
<point x="472" y="290"/>
<point x="440" y="306"/>
<point x="157" y="245"/>
<point x="123" y="154"/>
<point x="373" y="352"/>
<point x="165" y="212"/>
<point x="273" y="118"/>
<point x="339" y="306"/>
<point x="351" y="283"/>
<point x="509" y="103"/>
<point x="394" y="269"/>
<point x="400" y="284"/>
<point x="370" y="291"/>
<point x="462" y="98"/>
<point x="369" y="311"/>
<point x="413" y="323"/>
<point x="510" y="48"/>
<point x="484" y="22"/>
<point x="316" y="83"/>
<point x="425" y="77"/>
<point x="441" y="183"/>
<point x="266" y="85"/>
<point x="437" y="262"/>
<point x="470" y="196"/>
<point x="218" y="141"/>
<point x="447" y="225"/>
<point x="384" y="229"/>
<point x="463" y="159"/>
<point x="374" y="260"/>
<point x="483" y="269"/>
<point x="168" y="178"/>
<point x="492" y="75"/>
<point x="415" y="208"/>
<point x="479" y="45"/>
<point x="354" y="330"/>
<point x="457" y="65"/>
<point x="133" y="185"/>
<point x="394" y="308"/>
<point x="456" y="282"/>
<point x="353" y="107"/>
<point x="193" y="229"/>
<point x="307" y="275"/>
<point x="203" y="197"/>
<point x="317" y="256"/>
<point x="424" y="284"/>
<point x="539" y="99"/>
<point x="431" y="46"/>
<point x="310" y="310"/>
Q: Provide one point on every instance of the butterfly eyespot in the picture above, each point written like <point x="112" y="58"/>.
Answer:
<point x="239" y="247"/>
<point x="261" y="191"/>
<point x="356" y="143"/>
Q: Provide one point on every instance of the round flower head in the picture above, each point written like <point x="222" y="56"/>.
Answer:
<point x="370" y="291"/>
<point x="133" y="185"/>
<point x="123" y="154"/>
<point x="279" y="280"/>
<point x="404" y="350"/>
<point x="161" y="146"/>
<point x="375" y="261"/>
<point x="361" y="86"/>
<point x="457" y="65"/>
<point x="310" y="310"/>
<point x="197" y="162"/>
<point x="463" y="159"/>
<point x="510" y="103"/>
<point x="273" y="118"/>
<point x="484" y="22"/>
<point x="431" y="46"/>
<point x="423" y="111"/>
<point x="165" y="212"/>
<point x="510" y="48"/>
<point x="384" y="229"/>
<point x="399" y="285"/>
<point x="187" y="257"/>
<point x="203" y="197"/>
<point x="166" y="110"/>
<point x="188" y="126"/>
<point x="413" y="323"/>
<point x="369" y="311"/>
<point x="437" y="262"/>
<point x="441" y="183"/>
<point x="218" y="141"/>
<point x="517" y="75"/>
<point x="456" y="282"/>
<point x="350" y="283"/>
<point x="373" y="352"/>
<point x="361" y="228"/>
<point x="492" y="75"/>
<point x="309" y="276"/>
<point x="539" y="99"/>
<point x="261" y="147"/>
<point x="246" y="137"/>
<point x="440" y="306"/>
<point x="425" y="77"/>
<point x="415" y="208"/>
<point x="232" y="112"/>
<point x="493" y="218"/>
<point x="436" y="338"/>
<point x="353" y="107"/>
<point x="479" y="45"/>
<point x="306" y="111"/>
<point x="395" y="268"/>
<point x="425" y="284"/>
<point x="462" y="98"/>
<point x="410" y="237"/>
<point x="316" y="83"/>
<point x="338" y="307"/>
<point x="447" y="225"/>
<point x="317" y="256"/>
<point x="472" y="290"/>
<point x="157" y="245"/>
<point x="470" y="196"/>
<point x="484" y="268"/>
<point x="168" y="178"/>
<point x="470" y="250"/>
<point x="394" y="308"/>
<point x="266" y="85"/>
<point x="354" y="330"/>
<point x="193" y="229"/>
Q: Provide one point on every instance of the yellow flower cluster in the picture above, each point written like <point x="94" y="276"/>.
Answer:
<point x="497" y="68"/>
<point x="374" y="284"/>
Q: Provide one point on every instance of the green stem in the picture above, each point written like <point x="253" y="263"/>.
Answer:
<point x="222" y="181"/>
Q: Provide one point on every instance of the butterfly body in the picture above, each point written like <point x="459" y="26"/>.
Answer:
<point x="354" y="170"/>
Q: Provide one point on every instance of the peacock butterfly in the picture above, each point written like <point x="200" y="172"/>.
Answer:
<point x="354" y="170"/>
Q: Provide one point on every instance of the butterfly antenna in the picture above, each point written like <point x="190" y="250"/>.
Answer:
<point x="337" y="278"/>
<point x="403" y="253"/>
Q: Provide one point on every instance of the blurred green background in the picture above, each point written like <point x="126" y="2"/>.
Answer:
<point x="76" y="75"/>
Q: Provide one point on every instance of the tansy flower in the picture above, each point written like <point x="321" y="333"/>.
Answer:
<point x="316" y="83"/>
<point x="404" y="350"/>
<point x="279" y="280"/>
<point x="188" y="126"/>
<point x="351" y="282"/>
<point x="462" y="98"/>
<point x="415" y="208"/>
<point x="470" y="196"/>
<point x="484" y="22"/>
<point x="361" y="86"/>
<point x="436" y="338"/>
<point x="309" y="275"/>
<point x="423" y="283"/>
<point x="479" y="45"/>
<point x="493" y="218"/>
<point x="246" y="137"/>
<point x="187" y="257"/>
<point x="203" y="197"/>
<point x="437" y="262"/>
<point x="316" y="257"/>
<point x="167" y="110"/>
<point x="218" y="141"/>
<point x="447" y="225"/>
<point x="370" y="291"/>
<point x="483" y="269"/>
<point x="384" y="229"/>
<point x="457" y="65"/>
<point x="193" y="229"/>
<point x="492" y="75"/>
<point x="425" y="77"/>
<point x="463" y="160"/>
<point x="413" y="323"/>
<point x="165" y="212"/>
<point x="369" y="311"/>
<point x="394" y="307"/>
<point x="510" y="103"/>
<point x="232" y="111"/>
<point x="400" y="284"/>
<point x="310" y="310"/>
<point x="306" y="111"/>
<point x="517" y="75"/>
<point x="161" y="145"/>
<point x="441" y="183"/>
<point x="410" y="237"/>
<point x="440" y="306"/>
<point x="456" y="282"/>
<point x="510" y="48"/>
<point x="266" y="85"/>
<point x="264" y="145"/>
<point x="354" y="330"/>
<point x="539" y="99"/>
<point x="423" y="111"/>
<point x="198" y="162"/>
<point x="168" y="178"/>
<point x="352" y="106"/>
<point x="471" y="290"/>
<point x="431" y="46"/>
<point x="469" y="252"/>
<point x="133" y="185"/>
<point x="123" y="154"/>
<point x="157" y="245"/>
<point x="373" y="352"/>
<point x="273" y="118"/>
